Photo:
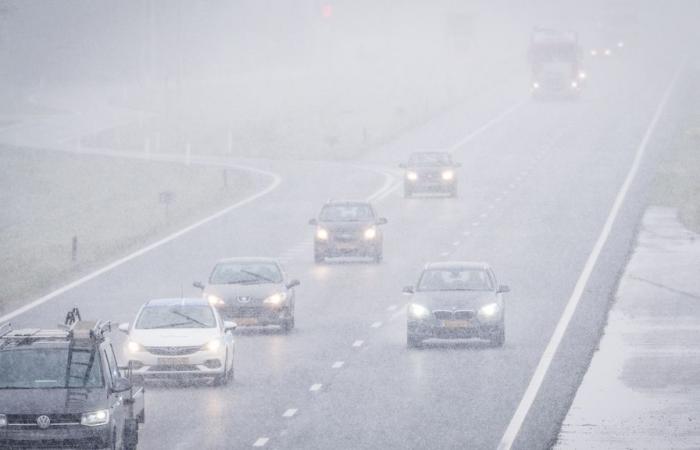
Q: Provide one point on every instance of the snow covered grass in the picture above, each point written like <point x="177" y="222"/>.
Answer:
<point x="111" y="205"/>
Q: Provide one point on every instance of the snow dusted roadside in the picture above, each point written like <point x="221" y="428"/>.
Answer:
<point x="642" y="389"/>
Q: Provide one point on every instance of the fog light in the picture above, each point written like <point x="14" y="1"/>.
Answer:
<point x="212" y="363"/>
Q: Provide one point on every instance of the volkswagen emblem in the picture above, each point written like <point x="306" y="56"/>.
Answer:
<point x="43" y="422"/>
<point x="243" y="299"/>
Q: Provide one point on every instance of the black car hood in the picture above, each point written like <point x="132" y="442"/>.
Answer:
<point x="52" y="401"/>
<point x="455" y="299"/>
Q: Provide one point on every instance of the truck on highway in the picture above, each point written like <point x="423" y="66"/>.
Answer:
<point x="62" y="388"/>
<point x="555" y="61"/>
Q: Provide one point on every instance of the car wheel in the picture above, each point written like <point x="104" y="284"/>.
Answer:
<point x="407" y="193"/>
<point x="453" y="193"/>
<point x="378" y="256"/>
<point x="223" y="378"/>
<point x="319" y="258"/>
<point x="288" y="325"/>
<point x="413" y="341"/>
<point x="498" y="338"/>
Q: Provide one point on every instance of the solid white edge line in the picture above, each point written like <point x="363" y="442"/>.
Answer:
<point x="261" y="442"/>
<point x="276" y="180"/>
<point x="533" y="387"/>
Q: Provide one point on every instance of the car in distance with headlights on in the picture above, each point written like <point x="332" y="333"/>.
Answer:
<point x="252" y="292"/>
<point x="180" y="338"/>
<point x="430" y="172"/>
<point x="456" y="300"/>
<point x="348" y="228"/>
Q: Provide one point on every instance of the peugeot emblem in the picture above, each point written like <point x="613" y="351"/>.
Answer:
<point x="243" y="299"/>
<point x="43" y="422"/>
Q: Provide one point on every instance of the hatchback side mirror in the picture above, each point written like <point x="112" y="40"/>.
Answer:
<point x="313" y="222"/>
<point x="230" y="326"/>
<point x="293" y="283"/>
<point x="124" y="327"/>
<point x="502" y="289"/>
<point x="408" y="290"/>
<point x="121" y="384"/>
<point x="382" y="221"/>
<point x="198" y="285"/>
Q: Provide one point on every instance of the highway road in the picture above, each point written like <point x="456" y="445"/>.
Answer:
<point x="537" y="185"/>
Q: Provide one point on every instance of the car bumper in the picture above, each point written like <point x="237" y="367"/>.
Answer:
<point x="203" y="363"/>
<point x="57" y="436"/>
<point x="439" y="329"/>
<point x="355" y="248"/>
<point x="256" y="316"/>
<point x="430" y="186"/>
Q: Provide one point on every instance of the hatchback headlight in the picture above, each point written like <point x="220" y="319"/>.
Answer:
<point x="370" y="233"/>
<point x="535" y="85"/>
<point x="490" y="310"/>
<point x="411" y="176"/>
<point x="418" y="311"/>
<point x="212" y="346"/>
<point x="276" y="299"/>
<point x="134" y="347"/>
<point x="322" y="234"/>
<point x="3" y="420"/>
<point x="215" y="300"/>
<point x="95" y="418"/>
<point x="447" y="175"/>
<point x="574" y="84"/>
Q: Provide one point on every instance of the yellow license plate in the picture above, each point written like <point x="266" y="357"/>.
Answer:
<point x="456" y="323"/>
<point x="246" y="321"/>
<point x="173" y="361"/>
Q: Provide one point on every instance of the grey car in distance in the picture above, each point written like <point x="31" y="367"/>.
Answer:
<point x="456" y="300"/>
<point x="430" y="172"/>
<point x="252" y="292"/>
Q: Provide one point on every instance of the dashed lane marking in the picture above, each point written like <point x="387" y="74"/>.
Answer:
<point x="261" y="442"/>
<point x="358" y="343"/>
<point x="290" y="412"/>
<point x="376" y="324"/>
<point x="338" y="364"/>
<point x="315" y="387"/>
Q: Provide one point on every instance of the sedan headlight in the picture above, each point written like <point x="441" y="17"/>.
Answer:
<point x="582" y="75"/>
<point x="447" y="175"/>
<point x="594" y="52"/>
<point x="411" y="176"/>
<point x="418" y="311"/>
<point x="322" y="234"/>
<point x="370" y="233"/>
<point x="490" y="310"/>
<point x="215" y="300"/>
<point x="212" y="346"/>
<point x="574" y="84"/>
<point x="535" y="85"/>
<point x="95" y="418"/>
<point x="275" y="299"/>
<point x="134" y="347"/>
<point x="3" y="420"/>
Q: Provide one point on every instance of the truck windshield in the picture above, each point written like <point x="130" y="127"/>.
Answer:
<point x="47" y="368"/>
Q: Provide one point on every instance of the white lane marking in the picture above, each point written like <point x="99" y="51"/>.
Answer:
<point x="376" y="324"/>
<point x="443" y="254"/>
<point x="337" y="364"/>
<point x="456" y="243"/>
<point x="491" y="207"/>
<point x="391" y="307"/>
<point x="466" y="233"/>
<point x="290" y="412"/>
<point x="261" y="442"/>
<point x="387" y="188"/>
<point x="545" y="361"/>
<point x="475" y="224"/>
<point x="276" y="180"/>
<point x="315" y="387"/>
<point x="498" y="199"/>
<point x="485" y="126"/>
<point x="358" y="343"/>
<point x="483" y="215"/>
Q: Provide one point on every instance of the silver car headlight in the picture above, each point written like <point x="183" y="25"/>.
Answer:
<point x="448" y="175"/>
<point x="134" y="347"/>
<point x="322" y="234"/>
<point x="418" y="311"/>
<point x="3" y="420"/>
<point x="215" y="300"/>
<point x="535" y="85"/>
<point x="95" y="418"/>
<point x="276" y="299"/>
<point x="489" y="311"/>
<point x="370" y="233"/>
<point x="411" y="176"/>
<point x="212" y="346"/>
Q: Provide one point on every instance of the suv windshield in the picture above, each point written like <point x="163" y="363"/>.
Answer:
<point x="46" y="368"/>
<point x="430" y="159"/>
<point x="188" y="316"/>
<point x="246" y="273"/>
<point x="346" y="213"/>
<point x="455" y="280"/>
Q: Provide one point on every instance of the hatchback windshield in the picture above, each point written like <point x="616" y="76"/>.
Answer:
<point x="46" y="368"/>
<point x="187" y="316"/>
<point x="430" y="159"/>
<point x="246" y="273"/>
<point x="458" y="279"/>
<point x="346" y="213"/>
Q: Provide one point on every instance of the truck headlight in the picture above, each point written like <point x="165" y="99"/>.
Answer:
<point x="322" y="234"/>
<point x="370" y="233"/>
<point x="447" y="175"/>
<point x="3" y="420"/>
<point x="411" y="176"/>
<point x="215" y="300"/>
<point x="275" y="299"/>
<point x="418" y="311"/>
<point x="95" y="418"/>
<point x="212" y="346"/>
<point x="490" y="310"/>
<point x="134" y="347"/>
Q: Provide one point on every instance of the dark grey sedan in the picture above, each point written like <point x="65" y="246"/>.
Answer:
<point x="251" y="292"/>
<point x="456" y="300"/>
<point x="430" y="172"/>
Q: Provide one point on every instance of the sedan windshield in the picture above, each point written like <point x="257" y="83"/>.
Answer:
<point x="430" y="159"/>
<point x="346" y="213"/>
<point x="188" y="316"/>
<point x="46" y="368"/>
<point x="457" y="279"/>
<point x="246" y="273"/>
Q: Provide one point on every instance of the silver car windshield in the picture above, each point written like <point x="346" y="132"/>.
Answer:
<point x="187" y="316"/>
<point x="458" y="279"/>
<point x="346" y="213"/>
<point x="246" y="273"/>
<point x="430" y="159"/>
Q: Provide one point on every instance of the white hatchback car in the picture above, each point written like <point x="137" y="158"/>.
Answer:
<point x="183" y="337"/>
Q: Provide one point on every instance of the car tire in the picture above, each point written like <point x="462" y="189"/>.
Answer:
<point x="378" y="256"/>
<point x="407" y="193"/>
<point x="453" y="193"/>
<point x="288" y="325"/>
<point x="319" y="258"/>
<point x="413" y="341"/>
<point x="223" y="379"/>
<point x="498" y="339"/>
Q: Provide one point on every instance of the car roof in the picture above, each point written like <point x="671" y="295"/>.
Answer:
<point x="192" y="301"/>
<point x="347" y="202"/>
<point x="458" y="265"/>
<point x="430" y="152"/>
<point x="251" y="259"/>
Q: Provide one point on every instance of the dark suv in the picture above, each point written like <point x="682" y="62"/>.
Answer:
<point x="430" y="172"/>
<point x="63" y="388"/>
<point x="348" y="228"/>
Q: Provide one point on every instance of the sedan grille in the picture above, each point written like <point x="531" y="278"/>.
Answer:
<point x="245" y="312"/>
<point x="172" y="351"/>
<point x="464" y="315"/>
<point x="443" y="315"/>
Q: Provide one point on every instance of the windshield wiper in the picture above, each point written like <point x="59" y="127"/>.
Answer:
<point x="169" y="325"/>
<point x="191" y="319"/>
<point x="257" y="276"/>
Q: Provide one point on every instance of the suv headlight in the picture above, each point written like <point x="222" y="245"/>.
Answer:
<point x="3" y="420"/>
<point x="322" y="234"/>
<point x="418" y="311"/>
<point x="411" y="175"/>
<point x="276" y="299"/>
<point x="212" y="346"/>
<point x="215" y="300"/>
<point x="95" y="418"/>
<point x="489" y="311"/>
<point x="447" y="175"/>
<point x="134" y="347"/>
<point x="370" y="233"/>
